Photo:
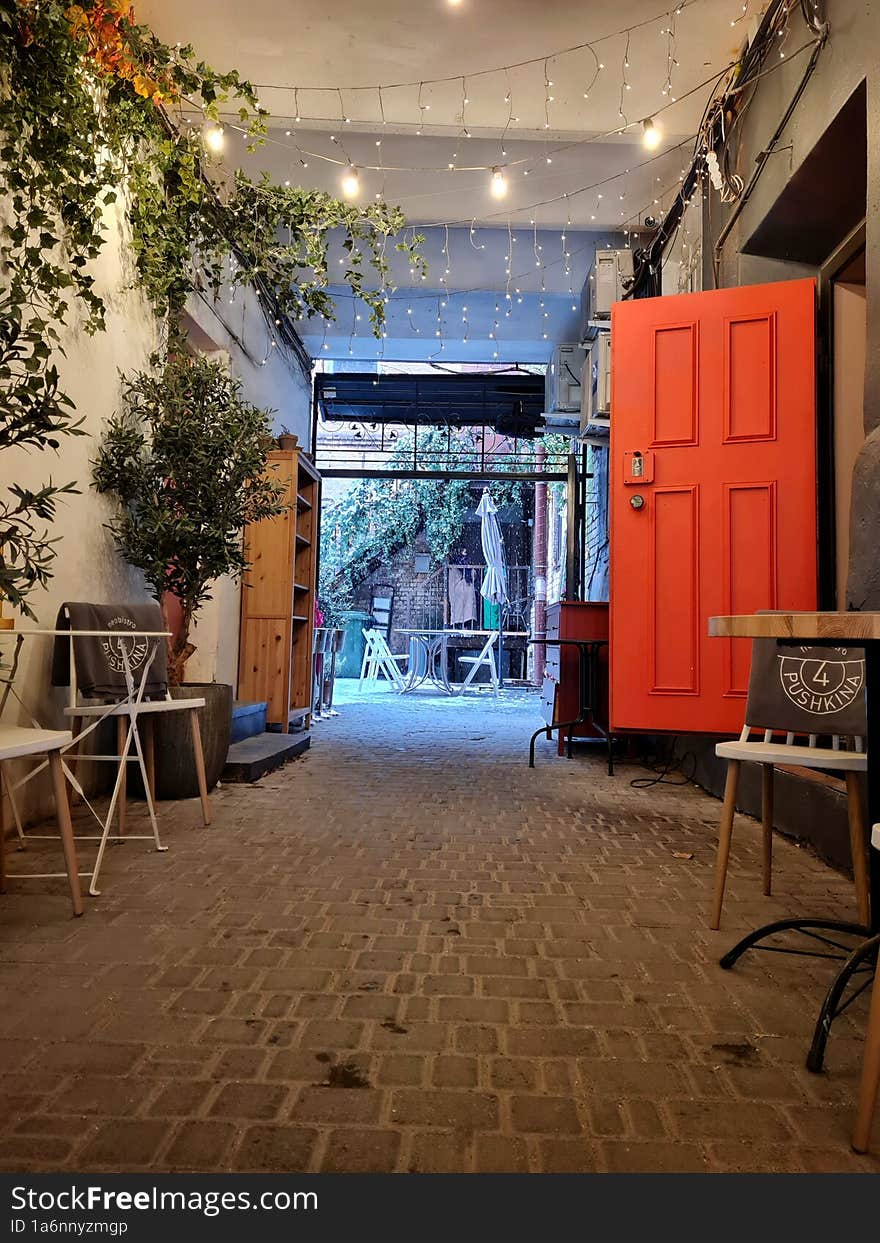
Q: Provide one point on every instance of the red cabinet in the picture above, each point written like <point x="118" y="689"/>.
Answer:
<point x="574" y="619"/>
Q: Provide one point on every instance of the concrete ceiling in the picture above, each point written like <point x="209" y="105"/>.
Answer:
<point x="357" y="44"/>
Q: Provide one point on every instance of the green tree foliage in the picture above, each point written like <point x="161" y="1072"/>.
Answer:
<point x="95" y="108"/>
<point x="34" y="415"/>
<point x="184" y="462"/>
<point x="377" y="519"/>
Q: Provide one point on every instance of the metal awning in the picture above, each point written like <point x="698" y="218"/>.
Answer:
<point x="511" y="404"/>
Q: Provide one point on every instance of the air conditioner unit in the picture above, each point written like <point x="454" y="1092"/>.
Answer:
<point x="595" y="421"/>
<point x="603" y="379"/>
<point x="562" y="383"/>
<point x="589" y="376"/>
<point x="606" y="284"/>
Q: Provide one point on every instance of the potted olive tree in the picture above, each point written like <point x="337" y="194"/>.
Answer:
<point x="184" y="461"/>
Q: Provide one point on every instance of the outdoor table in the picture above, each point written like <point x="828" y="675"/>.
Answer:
<point x="850" y="630"/>
<point x="427" y="659"/>
<point x="428" y="655"/>
<point x="588" y="695"/>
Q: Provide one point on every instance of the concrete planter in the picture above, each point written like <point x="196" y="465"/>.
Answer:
<point x="175" y="765"/>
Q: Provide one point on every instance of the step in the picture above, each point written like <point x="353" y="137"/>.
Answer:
<point x="253" y="757"/>
<point x="248" y="719"/>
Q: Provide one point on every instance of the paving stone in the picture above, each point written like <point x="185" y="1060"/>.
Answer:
<point x="467" y="1110"/>
<point x="544" y="1114"/>
<point x="337" y="1105"/>
<point x="500" y="1154"/>
<point x="361" y="1152"/>
<point x="248" y="1100"/>
<point x="275" y="1150"/>
<point x="522" y="980"/>
<point x="124" y="1143"/>
<point x="200" y="1145"/>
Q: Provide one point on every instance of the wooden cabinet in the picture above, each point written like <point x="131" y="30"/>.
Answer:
<point x="574" y="619"/>
<point x="278" y="596"/>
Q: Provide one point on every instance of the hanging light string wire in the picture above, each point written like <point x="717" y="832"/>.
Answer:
<point x="588" y="45"/>
<point x="531" y="160"/>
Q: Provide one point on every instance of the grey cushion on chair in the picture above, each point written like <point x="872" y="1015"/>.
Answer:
<point x="807" y="690"/>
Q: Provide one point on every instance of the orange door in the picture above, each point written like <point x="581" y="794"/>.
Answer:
<point x="713" y="493"/>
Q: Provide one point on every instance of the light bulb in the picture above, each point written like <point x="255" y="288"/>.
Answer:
<point x="351" y="185"/>
<point x="214" y="138"/>
<point x="651" y="135"/>
<point x="498" y="184"/>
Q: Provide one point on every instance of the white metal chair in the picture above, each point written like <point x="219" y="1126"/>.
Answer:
<point x="807" y="693"/>
<point x="485" y="659"/>
<point x="17" y="742"/>
<point x="379" y="659"/>
<point x="130" y="710"/>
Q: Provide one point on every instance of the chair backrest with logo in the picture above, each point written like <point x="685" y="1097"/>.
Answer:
<point x="807" y="690"/>
<point x="97" y="664"/>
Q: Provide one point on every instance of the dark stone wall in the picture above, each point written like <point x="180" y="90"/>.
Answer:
<point x="852" y="56"/>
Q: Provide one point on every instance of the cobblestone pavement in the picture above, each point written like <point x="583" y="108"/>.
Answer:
<point x="407" y="951"/>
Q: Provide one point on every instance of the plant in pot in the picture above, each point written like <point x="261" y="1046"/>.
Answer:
<point x="184" y="461"/>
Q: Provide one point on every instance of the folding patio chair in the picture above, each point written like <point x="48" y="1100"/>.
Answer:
<point x="379" y="659"/>
<point x="485" y="659"/>
<point x="101" y="679"/>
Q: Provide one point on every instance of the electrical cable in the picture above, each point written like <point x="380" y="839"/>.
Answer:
<point x="665" y="768"/>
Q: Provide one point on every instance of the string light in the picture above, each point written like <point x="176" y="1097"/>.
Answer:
<point x="651" y="134"/>
<point x="498" y="184"/>
<point x="351" y="183"/>
<point x="214" y="138"/>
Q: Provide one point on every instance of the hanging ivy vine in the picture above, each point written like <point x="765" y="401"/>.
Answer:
<point x="373" y="521"/>
<point x="95" y="108"/>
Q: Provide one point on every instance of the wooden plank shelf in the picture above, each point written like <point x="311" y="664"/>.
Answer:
<point x="278" y="605"/>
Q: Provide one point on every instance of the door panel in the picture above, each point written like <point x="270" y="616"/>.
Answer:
<point x="718" y="390"/>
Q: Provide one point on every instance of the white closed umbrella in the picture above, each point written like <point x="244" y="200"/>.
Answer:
<point x="494" y="586"/>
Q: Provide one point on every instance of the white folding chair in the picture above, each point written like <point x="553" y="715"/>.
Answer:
<point x="129" y="709"/>
<point x="379" y="659"/>
<point x="486" y="658"/>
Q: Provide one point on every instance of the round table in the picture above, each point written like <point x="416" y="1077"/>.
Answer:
<point x="428" y="650"/>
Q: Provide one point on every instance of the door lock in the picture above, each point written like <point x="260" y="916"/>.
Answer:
<point x="637" y="502"/>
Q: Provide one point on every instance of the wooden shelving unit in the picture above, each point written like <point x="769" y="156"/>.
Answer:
<point x="278" y="596"/>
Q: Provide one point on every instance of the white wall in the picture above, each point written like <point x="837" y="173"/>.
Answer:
<point x="273" y="379"/>
<point x="87" y="566"/>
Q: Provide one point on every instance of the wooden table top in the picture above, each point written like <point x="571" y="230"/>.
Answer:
<point x="815" y="627"/>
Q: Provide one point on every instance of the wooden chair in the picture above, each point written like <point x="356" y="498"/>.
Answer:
<point x="870" y="1085"/>
<point x="807" y="693"/>
<point x="17" y="742"/>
